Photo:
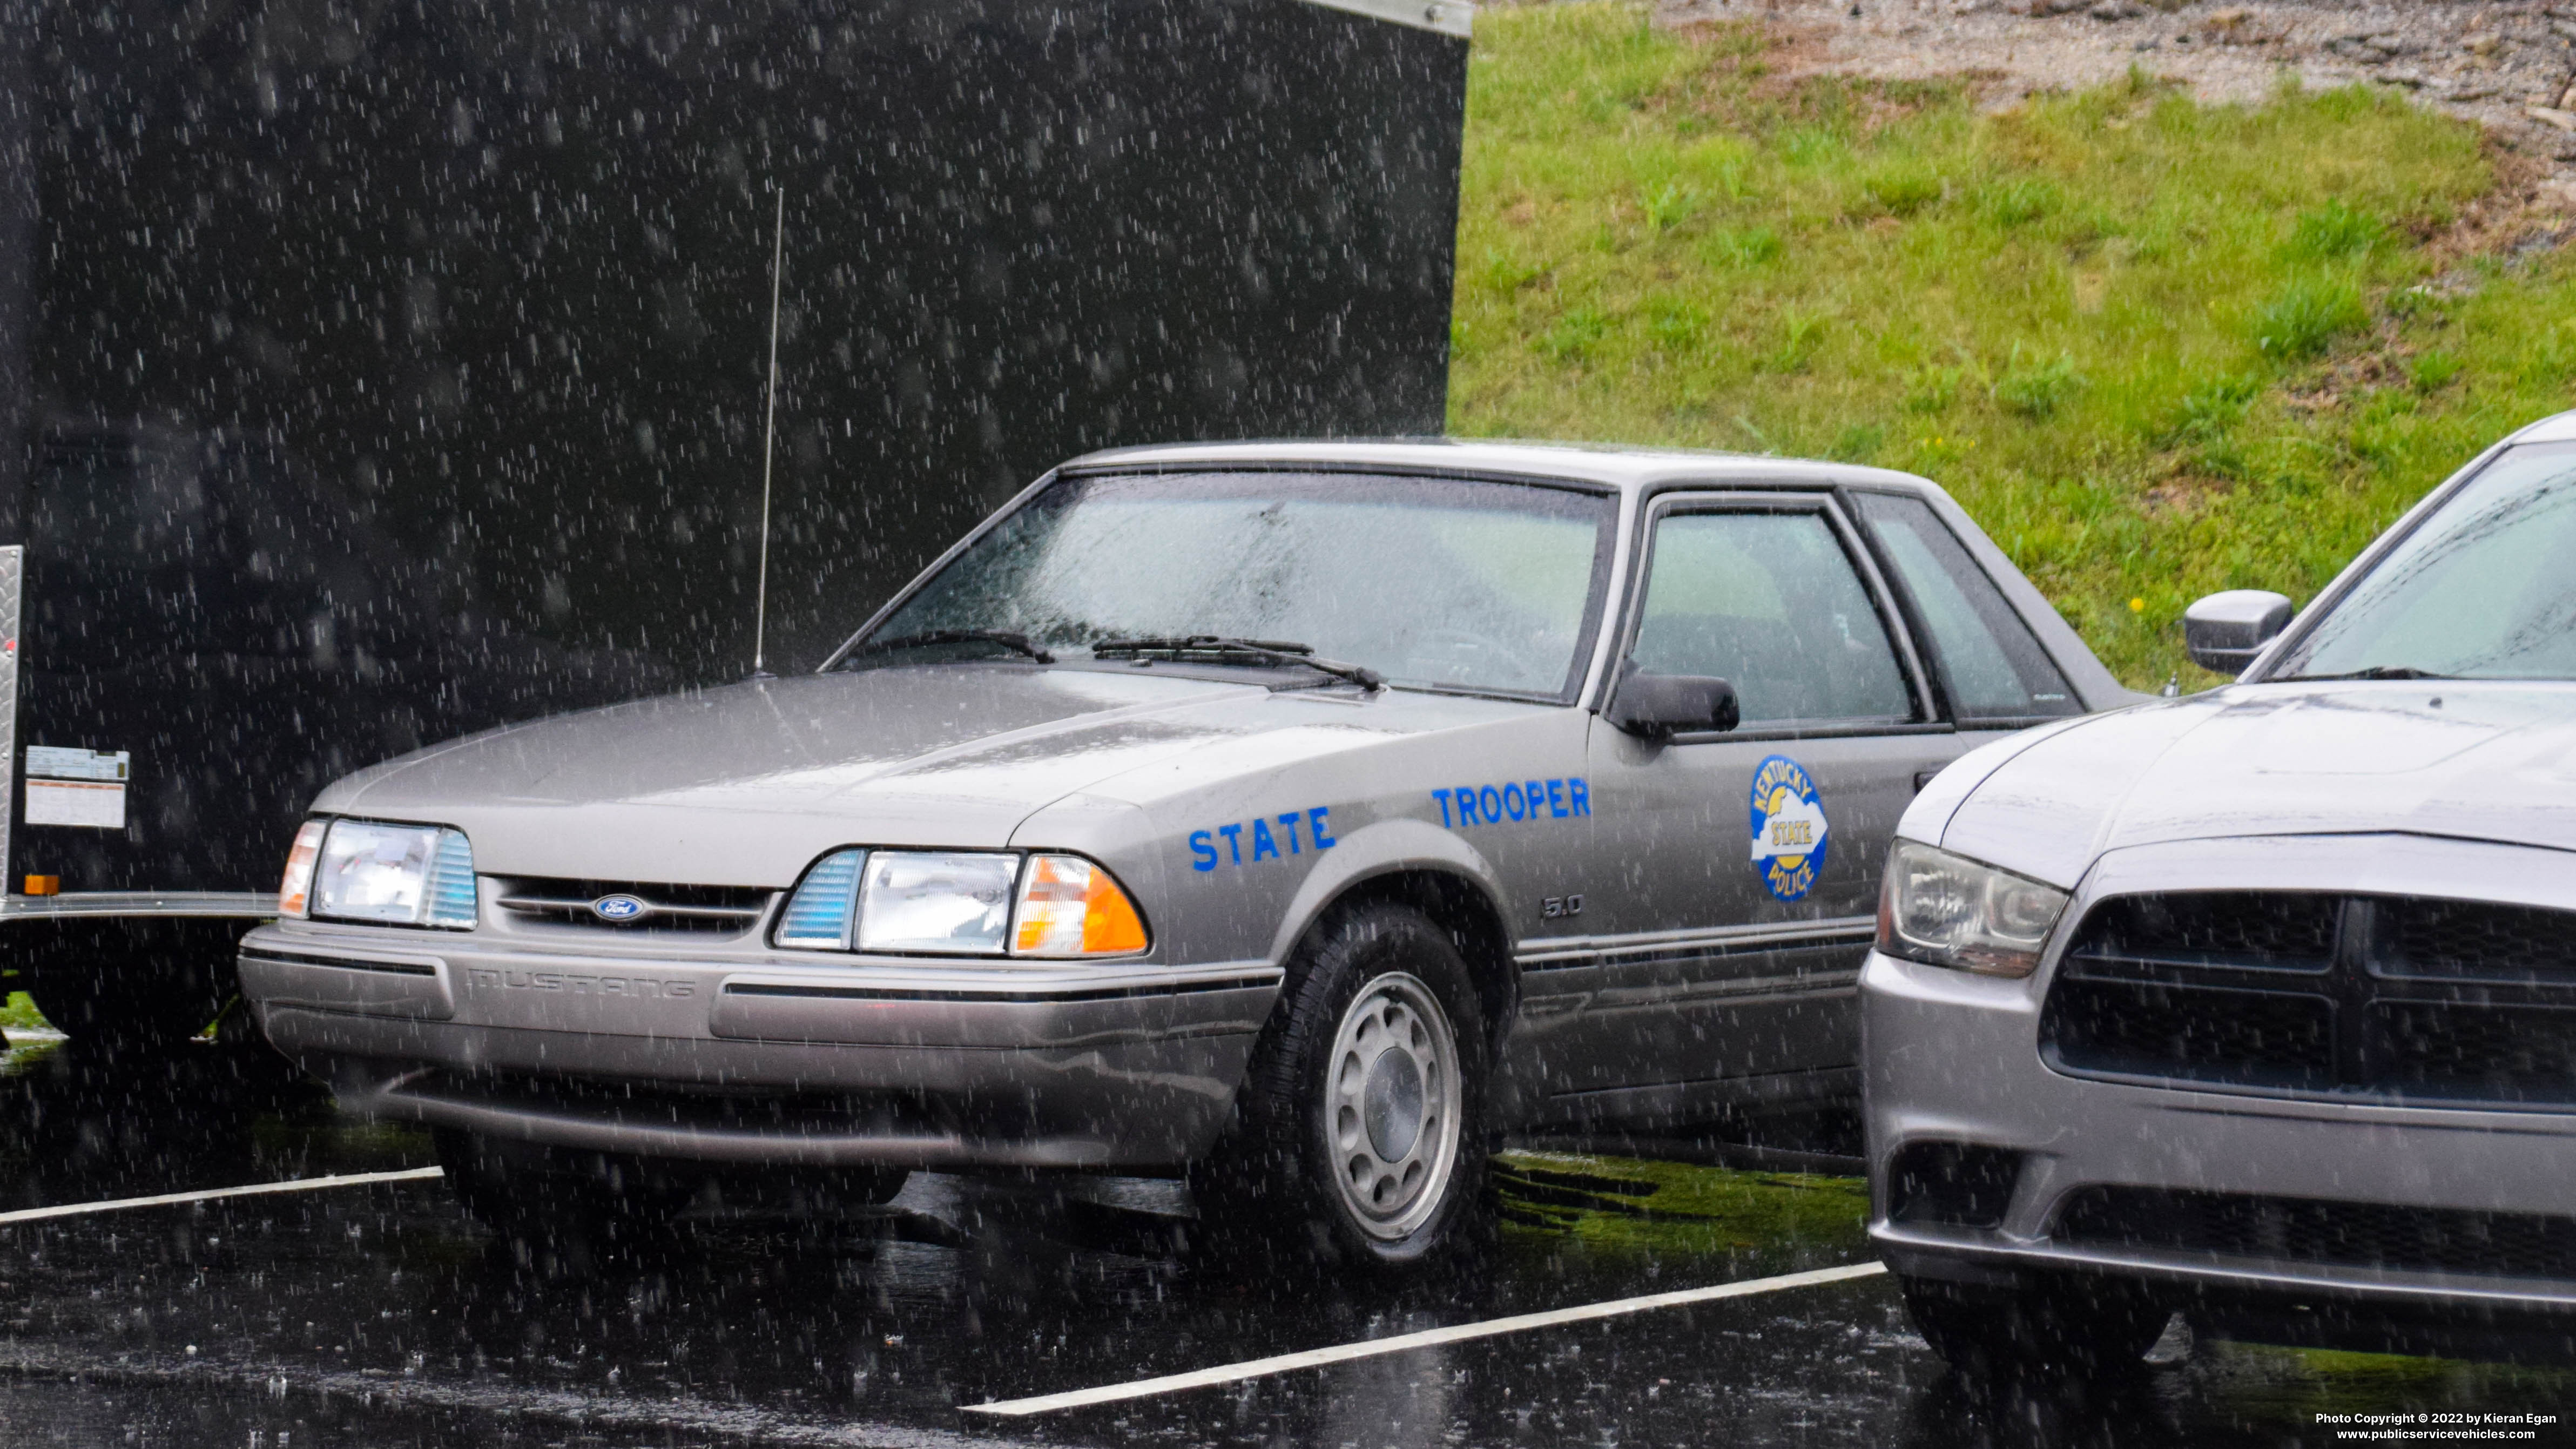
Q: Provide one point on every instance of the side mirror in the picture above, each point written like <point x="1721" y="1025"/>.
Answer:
<point x="1660" y="706"/>
<point x="2225" y="631"/>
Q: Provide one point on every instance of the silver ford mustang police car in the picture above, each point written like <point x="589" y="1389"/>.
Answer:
<point x="2261" y="1004"/>
<point x="1305" y="814"/>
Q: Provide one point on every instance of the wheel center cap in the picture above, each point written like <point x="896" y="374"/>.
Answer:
<point x="1392" y="1104"/>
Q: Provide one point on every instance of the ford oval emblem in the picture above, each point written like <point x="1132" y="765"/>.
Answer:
<point x="618" y="908"/>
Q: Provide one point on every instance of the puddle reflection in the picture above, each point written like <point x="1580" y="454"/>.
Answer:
<point x="355" y="1315"/>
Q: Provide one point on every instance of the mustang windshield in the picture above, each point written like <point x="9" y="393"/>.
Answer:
<point x="2483" y="589"/>
<point x="1490" y="587"/>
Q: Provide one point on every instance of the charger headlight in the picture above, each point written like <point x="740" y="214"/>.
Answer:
<point x="368" y="870"/>
<point x="1947" y="910"/>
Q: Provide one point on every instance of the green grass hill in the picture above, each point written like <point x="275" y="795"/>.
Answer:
<point x="2157" y="347"/>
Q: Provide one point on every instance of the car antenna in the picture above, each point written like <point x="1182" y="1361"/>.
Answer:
<point x="769" y="448"/>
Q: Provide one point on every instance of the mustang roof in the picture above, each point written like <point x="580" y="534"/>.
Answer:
<point x="1632" y="471"/>
<point x="1627" y="469"/>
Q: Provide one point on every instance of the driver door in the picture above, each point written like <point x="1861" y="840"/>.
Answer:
<point x="1723" y="967"/>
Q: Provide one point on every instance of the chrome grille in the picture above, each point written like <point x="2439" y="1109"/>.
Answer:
<point x="2305" y="994"/>
<point x="727" y="910"/>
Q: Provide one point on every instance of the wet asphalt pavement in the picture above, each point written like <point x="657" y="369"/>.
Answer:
<point x="383" y="1315"/>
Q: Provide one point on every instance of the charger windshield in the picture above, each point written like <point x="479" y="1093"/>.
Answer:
<point x="1489" y="587"/>
<point x="2484" y="589"/>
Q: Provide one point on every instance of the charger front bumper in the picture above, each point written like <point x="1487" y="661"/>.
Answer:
<point x="1951" y="1057"/>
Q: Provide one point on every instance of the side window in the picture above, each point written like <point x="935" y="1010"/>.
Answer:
<point x="1990" y="662"/>
<point x="1771" y="603"/>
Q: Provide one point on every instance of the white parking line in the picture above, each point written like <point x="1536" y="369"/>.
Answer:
<point x="1428" y="1338"/>
<point x="257" y="1189"/>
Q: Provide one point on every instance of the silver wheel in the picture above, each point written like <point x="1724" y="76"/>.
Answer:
<point x="1391" y="1105"/>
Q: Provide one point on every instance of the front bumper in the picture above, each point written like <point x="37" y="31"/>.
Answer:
<point x="656" y="1049"/>
<point x="1954" y="1058"/>
<point x="180" y="905"/>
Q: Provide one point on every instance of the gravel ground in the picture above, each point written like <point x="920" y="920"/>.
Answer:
<point x="2510" y="65"/>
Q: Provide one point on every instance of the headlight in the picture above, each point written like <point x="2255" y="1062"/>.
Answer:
<point x="1947" y="910"/>
<point x="949" y="902"/>
<point x="961" y="903"/>
<point x="400" y="875"/>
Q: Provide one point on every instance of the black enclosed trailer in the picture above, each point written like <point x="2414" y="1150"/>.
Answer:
<point x="373" y="371"/>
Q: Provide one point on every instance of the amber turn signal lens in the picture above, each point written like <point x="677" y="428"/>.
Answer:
<point x="1071" y="907"/>
<point x="44" y="885"/>
<point x="295" y="891"/>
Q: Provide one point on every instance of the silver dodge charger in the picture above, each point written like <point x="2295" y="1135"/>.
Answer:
<point x="2261" y="1004"/>
<point x="1302" y="816"/>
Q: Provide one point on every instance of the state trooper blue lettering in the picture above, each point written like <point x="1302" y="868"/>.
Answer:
<point x="1563" y="798"/>
<point x="1263" y="842"/>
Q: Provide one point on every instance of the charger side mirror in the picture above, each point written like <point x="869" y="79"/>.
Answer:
<point x="1660" y="706"/>
<point x="2225" y="631"/>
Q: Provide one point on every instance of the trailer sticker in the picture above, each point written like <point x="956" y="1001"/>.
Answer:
<point x="72" y="786"/>
<point x="58" y="762"/>
<point x="1789" y="829"/>
<point x="76" y="802"/>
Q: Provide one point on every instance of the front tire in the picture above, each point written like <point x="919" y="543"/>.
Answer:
<point x="1359" y="1136"/>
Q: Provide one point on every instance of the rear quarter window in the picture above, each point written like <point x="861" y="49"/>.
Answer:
<point x="1991" y="666"/>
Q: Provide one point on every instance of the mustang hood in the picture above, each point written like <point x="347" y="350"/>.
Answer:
<point x="2494" y="762"/>
<point x="743" y="785"/>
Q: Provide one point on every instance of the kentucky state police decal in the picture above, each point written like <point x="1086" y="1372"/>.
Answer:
<point x="1789" y="833"/>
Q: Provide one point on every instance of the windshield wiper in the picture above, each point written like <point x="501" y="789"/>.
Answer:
<point x="1017" y="643"/>
<point x="2379" y="671"/>
<point x="1221" y="649"/>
